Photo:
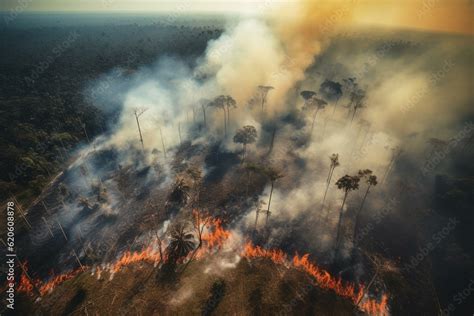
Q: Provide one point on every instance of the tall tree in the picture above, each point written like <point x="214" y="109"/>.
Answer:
<point x="357" y="101"/>
<point x="229" y="104"/>
<point x="347" y="184"/>
<point x="224" y="102"/>
<point x="203" y="103"/>
<point x="258" y="208"/>
<point x="371" y="181"/>
<point x="314" y="105"/>
<point x="263" y="92"/>
<point x="334" y="162"/>
<point x="245" y="135"/>
<point x="331" y="91"/>
<point x="272" y="174"/>
<point x="138" y="112"/>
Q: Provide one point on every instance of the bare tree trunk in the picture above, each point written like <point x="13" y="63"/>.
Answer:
<point x="272" y="142"/>
<point x="225" y="122"/>
<point x="204" y="115"/>
<point x="368" y="286"/>
<point x="312" y="124"/>
<point x="244" y="152"/>
<point x="269" y="202"/>
<point x="357" y="219"/>
<point x="335" y="105"/>
<point x="179" y="133"/>
<point x="163" y="143"/>
<point x="139" y="131"/>
<point x="256" y="218"/>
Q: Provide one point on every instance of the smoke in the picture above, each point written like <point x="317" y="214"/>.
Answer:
<point x="413" y="84"/>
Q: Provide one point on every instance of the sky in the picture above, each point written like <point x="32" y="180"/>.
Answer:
<point x="435" y="15"/>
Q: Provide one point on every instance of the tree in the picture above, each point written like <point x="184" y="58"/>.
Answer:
<point x="314" y="104"/>
<point x="357" y="98"/>
<point x="224" y="102"/>
<point x="371" y="181"/>
<point x="396" y="152"/>
<point x="138" y="112"/>
<point x="181" y="244"/>
<point x="347" y="184"/>
<point x="200" y="222"/>
<point x="203" y="103"/>
<point x="272" y="174"/>
<point x="331" y="91"/>
<point x="244" y="136"/>
<point x="334" y="162"/>
<point x="229" y="104"/>
<point x="307" y="95"/>
<point x="263" y="91"/>
<point x="258" y="209"/>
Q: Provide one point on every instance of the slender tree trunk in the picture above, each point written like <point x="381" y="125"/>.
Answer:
<point x="353" y="114"/>
<point x="162" y="143"/>
<point x="225" y="122"/>
<point x="140" y="132"/>
<point x="244" y="152"/>
<point x="272" y="142"/>
<point x="248" y="184"/>
<point x="179" y="133"/>
<point x="357" y="219"/>
<point x="312" y="124"/>
<point x="339" y="224"/>
<point x="269" y="202"/>
<point x="204" y="115"/>
<point x="335" y="105"/>
<point x="368" y="286"/>
<point x="257" y="212"/>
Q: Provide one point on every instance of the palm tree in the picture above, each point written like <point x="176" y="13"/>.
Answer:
<point x="263" y="91"/>
<point x="347" y="184"/>
<point x="371" y="181"/>
<point x="244" y="136"/>
<point x="181" y="244"/>
<point x="334" y="158"/>
<point x="273" y="175"/>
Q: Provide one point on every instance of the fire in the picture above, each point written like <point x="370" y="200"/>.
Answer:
<point x="323" y="278"/>
<point x="216" y="235"/>
<point x="213" y="237"/>
<point x="48" y="287"/>
<point x="26" y="285"/>
<point x="148" y="254"/>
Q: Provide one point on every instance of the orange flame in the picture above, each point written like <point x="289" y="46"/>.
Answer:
<point x="322" y="278"/>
